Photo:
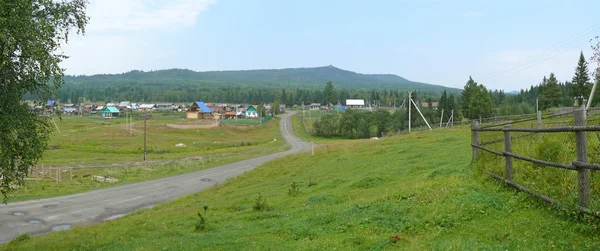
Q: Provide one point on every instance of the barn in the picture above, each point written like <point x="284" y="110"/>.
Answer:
<point x="198" y="110"/>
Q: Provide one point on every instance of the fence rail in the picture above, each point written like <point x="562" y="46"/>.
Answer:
<point x="580" y="165"/>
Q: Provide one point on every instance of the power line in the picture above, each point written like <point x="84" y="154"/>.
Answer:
<point x="559" y="48"/>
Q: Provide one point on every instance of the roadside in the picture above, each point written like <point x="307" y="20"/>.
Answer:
<point x="45" y="215"/>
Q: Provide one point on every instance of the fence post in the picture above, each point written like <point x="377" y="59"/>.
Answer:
<point x="583" y="174"/>
<point x="539" y="123"/>
<point x="475" y="138"/>
<point x="508" y="149"/>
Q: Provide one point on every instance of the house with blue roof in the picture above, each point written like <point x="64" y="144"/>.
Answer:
<point x="198" y="110"/>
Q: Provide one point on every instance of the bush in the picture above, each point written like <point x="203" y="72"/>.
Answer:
<point x="260" y="203"/>
<point x="294" y="189"/>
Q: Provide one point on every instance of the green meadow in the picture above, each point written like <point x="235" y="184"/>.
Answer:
<point x="415" y="192"/>
<point x="87" y="147"/>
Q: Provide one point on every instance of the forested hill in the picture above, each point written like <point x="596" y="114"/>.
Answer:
<point x="184" y="85"/>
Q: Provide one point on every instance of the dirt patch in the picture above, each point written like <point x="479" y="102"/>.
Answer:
<point x="177" y="126"/>
<point x="53" y="147"/>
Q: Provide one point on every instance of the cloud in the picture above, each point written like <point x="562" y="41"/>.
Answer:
<point x="112" y="43"/>
<point x="144" y="14"/>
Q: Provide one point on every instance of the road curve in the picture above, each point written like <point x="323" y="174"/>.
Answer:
<point x="45" y="215"/>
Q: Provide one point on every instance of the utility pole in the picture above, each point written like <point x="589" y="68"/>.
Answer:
<point x="442" y="118"/>
<point x="130" y="122"/>
<point x="537" y="107"/>
<point x="409" y="109"/>
<point x="145" y="134"/>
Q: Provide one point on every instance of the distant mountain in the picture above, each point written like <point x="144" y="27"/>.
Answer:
<point x="248" y="86"/>
<point x="513" y="92"/>
<point x="292" y="78"/>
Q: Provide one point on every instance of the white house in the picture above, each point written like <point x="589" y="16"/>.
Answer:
<point x="355" y="103"/>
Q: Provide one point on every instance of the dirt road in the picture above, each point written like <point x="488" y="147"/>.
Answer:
<point x="54" y="214"/>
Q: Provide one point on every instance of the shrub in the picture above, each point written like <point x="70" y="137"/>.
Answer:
<point x="260" y="203"/>
<point x="294" y="189"/>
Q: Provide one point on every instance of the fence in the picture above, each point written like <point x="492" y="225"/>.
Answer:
<point x="576" y="152"/>
<point x="246" y="121"/>
<point x="49" y="173"/>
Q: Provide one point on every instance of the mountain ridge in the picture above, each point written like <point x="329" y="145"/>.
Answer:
<point x="303" y="77"/>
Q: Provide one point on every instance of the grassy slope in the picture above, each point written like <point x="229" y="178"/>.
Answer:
<point x="86" y="141"/>
<point x="130" y="172"/>
<point x="418" y="187"/>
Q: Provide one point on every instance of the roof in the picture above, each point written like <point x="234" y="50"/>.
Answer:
<point x="100" y="107"/>
<point x="203" y="106"/>
<point x="125" y="103"/>
<point x="355" y="102"/>
<point x="69" y="109"/>
<point x="147" y="106"/>
<point x="315" y="104"/>
<point x="68" y="105"/>
<point x="433" y="104"/>
<point x="231" y="113"/>
<point x="110" y="109"/>
<point x="51" y="103"/>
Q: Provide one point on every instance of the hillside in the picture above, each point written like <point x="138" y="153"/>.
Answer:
<point x="232" y="86"/>
<point x="402" y="192"/>
<point x="282" y="78"/>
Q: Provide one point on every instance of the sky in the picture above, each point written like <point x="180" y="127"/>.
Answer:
<point x="507" y="45"/>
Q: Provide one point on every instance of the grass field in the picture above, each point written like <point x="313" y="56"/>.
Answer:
<point x="85" y="141"/>
<point x="414" y="192"/>
<point x="103" y="147"/>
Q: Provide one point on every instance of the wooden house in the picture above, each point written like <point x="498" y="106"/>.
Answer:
<point x="198" y="110"/>
<point x="252" y="112"/>
<point x="110" y="112"/>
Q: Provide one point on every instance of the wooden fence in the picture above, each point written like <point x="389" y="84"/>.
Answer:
<point x="580" y="165"/>
<point x="49" y="173"/>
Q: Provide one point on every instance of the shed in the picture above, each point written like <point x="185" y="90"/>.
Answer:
<point x="110" y="112"/>
<point x="355" y="103"/>
<point x="231" y="115"/>
<point x="198" y="110"/>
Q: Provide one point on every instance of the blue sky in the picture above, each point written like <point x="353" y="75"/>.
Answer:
<point x="506" y="45"/>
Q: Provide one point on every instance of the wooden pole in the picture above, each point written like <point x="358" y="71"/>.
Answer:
<point x="508" y="148"/>
<point x="539" y="123"/>
<point x="312" y="146"/>
<point x="442" y="118"/>
<point x="583" y="174"/>
<point x="475" y="139"/>
<point x="56" y="176"/>
<point x="70" y="175"/>
<point x="145" y="134"/>
<point x="409" y="110"/>
<point x="423" y="117"/>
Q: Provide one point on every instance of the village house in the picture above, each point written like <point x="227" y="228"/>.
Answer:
<point x="434" y="105"/>
<point x="89" y="108"/>
<point x="147" y="107"/>
<point x="166" y="107"/>
<point x="355" y="103"/>
<point x="315" y="106"/>
<point x="198" y="110"/>
<point x="123" y="105"/>
<point x="110" y="112"/>
<point x="50" y="107"/>
<point x="217" y="108"/>
<point x="251" y="112"/>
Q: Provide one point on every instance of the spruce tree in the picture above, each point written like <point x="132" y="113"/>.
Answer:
<point x="466" y="95"/>
<point x="581" y="81"/>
